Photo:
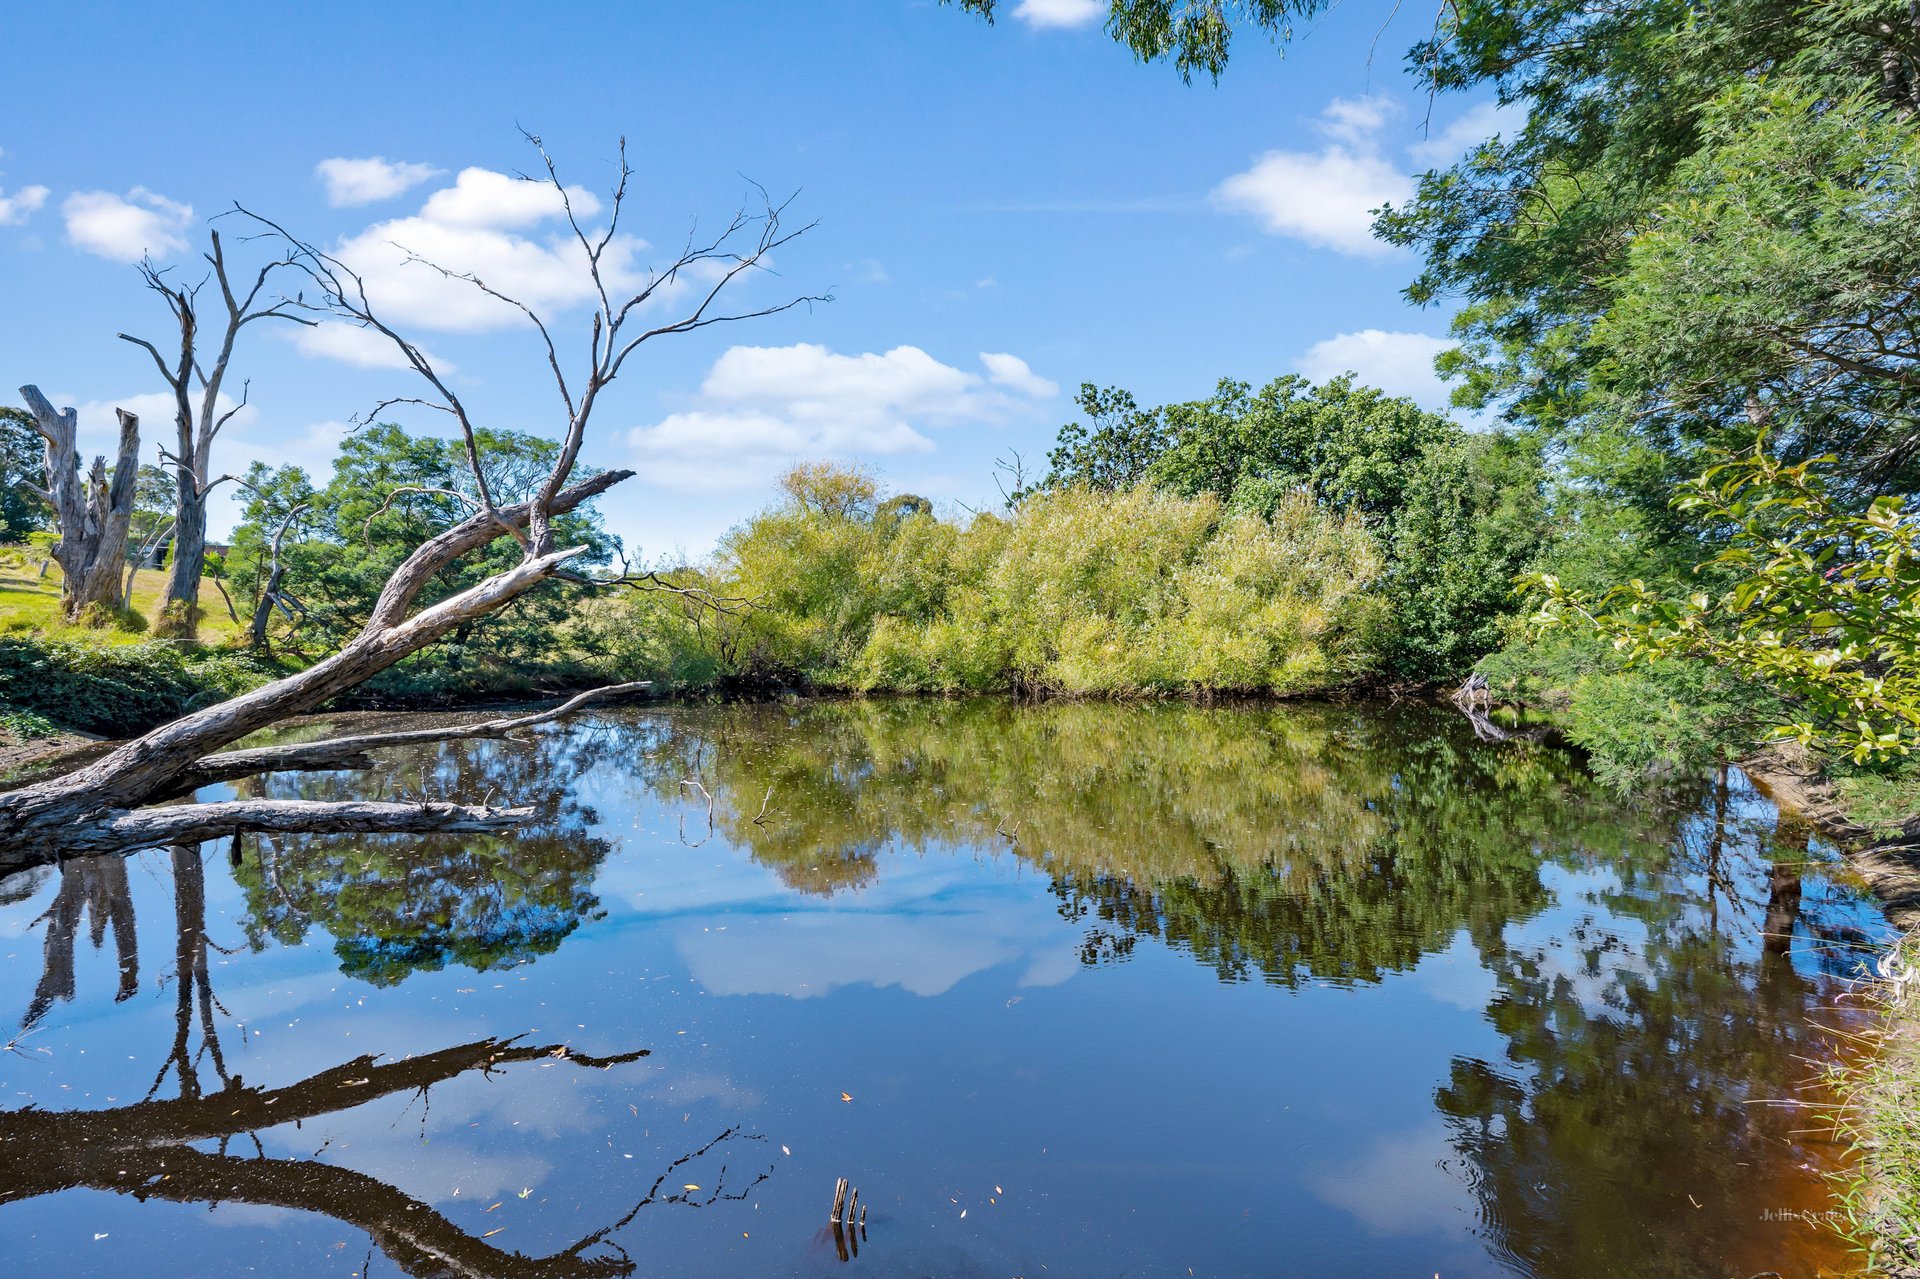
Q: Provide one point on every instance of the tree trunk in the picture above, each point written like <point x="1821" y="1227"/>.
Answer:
<point x="93" y="513"/>
<point x="182" y="600"/>
<point x="276" y="571"/>
<point x="88" y="807"/>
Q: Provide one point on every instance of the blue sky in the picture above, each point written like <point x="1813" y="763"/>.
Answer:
<point x="1003" y="214"/>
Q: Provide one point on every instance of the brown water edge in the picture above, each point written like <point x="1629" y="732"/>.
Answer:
<point x="1802" y="1225"/>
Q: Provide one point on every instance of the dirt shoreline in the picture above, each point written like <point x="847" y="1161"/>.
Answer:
<point x="1890" y="867"/>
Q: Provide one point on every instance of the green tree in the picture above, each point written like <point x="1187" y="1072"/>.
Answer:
<point x="389" y="492"/>
<point x="1459" y="515"/>
<point x="22" y="467"/>
<point x="1196" y="35"/>
<point x="1822" y="605"/>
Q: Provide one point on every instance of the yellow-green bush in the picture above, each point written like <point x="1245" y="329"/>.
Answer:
<point x="1139" y="591"/>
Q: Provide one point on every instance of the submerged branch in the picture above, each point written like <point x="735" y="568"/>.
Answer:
<point x="350" y="752"/>
<point x="120" y="830"/>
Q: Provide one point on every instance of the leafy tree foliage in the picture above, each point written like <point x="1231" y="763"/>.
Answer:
<point x="1196" y="35"/>
<point x="389" y="492"/>
<point x="22" y="462"/>
<point x="1823" y="605"/>
<point x="1702" y="227"/>
<point x="1458" y="515"/>
<point x="1135" y="591"/>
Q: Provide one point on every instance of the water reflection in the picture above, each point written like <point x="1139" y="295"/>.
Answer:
<point x="93" y="887"/>
<point x="1652" y="967"/>
<point x="1346" y="986"/>
<point x="152" y="1149"/>
<point x="396" y="904"/>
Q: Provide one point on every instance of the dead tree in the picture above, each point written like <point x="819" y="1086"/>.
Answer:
<point x="103" y="804"/>
<point x="93" y="511"/>
<point x="270" y="596"/>
<point x="158" y="1148"/>
<point x="197" y="425"/>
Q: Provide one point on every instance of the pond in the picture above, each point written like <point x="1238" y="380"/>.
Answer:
<point x="1061" y="989"/>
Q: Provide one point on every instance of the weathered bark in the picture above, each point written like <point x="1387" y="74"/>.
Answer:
<point x="189" y="558"/>
<point x="193" y="375"/>
<point x="351" y="752"/>
<point x="54" y="813"/>
<point x="92" y="807"/>
<point x="276" y="573"/>
<point x="144" y="767"/>
<point x="120" y="830"/>
<point x="93" y="512"/>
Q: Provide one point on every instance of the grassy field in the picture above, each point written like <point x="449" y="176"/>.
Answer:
<point x="29" y="602"/>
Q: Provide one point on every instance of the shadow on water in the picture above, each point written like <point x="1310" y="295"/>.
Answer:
<point x="1655" y="974"/>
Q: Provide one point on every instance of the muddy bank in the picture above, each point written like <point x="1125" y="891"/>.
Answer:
<point x="1890" y="867"/>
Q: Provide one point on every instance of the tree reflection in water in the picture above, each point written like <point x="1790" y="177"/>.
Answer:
<point x="400" y="903"/>
<point x="1652" y="970"/>
<point x="150" y="1150"/>
<point x="1642" y="955"/>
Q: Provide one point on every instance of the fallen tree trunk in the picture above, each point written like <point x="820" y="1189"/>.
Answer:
<point x="351" y="752"/>
<point x="103" y="803"/>
<point x="114" y="831"/>
<point x="48" y="815"/>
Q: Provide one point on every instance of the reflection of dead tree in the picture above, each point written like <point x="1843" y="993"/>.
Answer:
<point x="708" y="796"/>
<point x="103" y="805"/>
<point x="148" y="1150"/>
<point x="193" y="983"/>
<point x="716" y="1194"/>
<point x="96" y="887"/>
<point x="1475" y="700"/>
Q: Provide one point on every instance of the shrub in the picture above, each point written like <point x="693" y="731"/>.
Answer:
<point x="1673" y="716"/>
<point x="116" y="690"/>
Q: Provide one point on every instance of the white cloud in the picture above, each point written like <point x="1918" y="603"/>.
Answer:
<point x="1398" y="363"/>
<point x="483" y="198"/>
<point x="1355" y="121"/>
<point x="1060" y="13"/>
<point x="126" y="228"/>
<point x="472" y="227"/>
<point x="1012" y="372"/>
<point x="351" y="344"/>
<point x="1468" y="130"/>
<point x="1325" y="197"/>
<point x="762" y="408"/>
<point x="155" y="410"/>
<point x="15" y="208"/>
<point x="372" y="178"/>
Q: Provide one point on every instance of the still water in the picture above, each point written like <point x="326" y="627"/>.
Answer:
<point x="1062" y="990"/>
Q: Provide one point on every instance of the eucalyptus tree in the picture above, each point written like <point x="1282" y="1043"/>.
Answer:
<point x="195" y="372"/>
<point x="92" y="510"/>
<point x="109" y="803"/>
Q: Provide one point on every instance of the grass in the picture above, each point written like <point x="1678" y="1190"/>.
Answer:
<point x="1880" y="1112"/>
<point x="29" y="602"/>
